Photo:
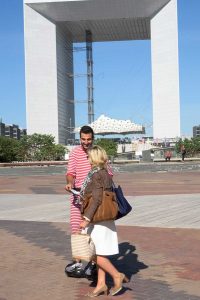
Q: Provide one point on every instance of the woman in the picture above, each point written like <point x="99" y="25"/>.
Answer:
<point x="103" y="233"/>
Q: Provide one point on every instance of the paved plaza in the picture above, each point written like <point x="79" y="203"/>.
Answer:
<point x="159" y="240"/>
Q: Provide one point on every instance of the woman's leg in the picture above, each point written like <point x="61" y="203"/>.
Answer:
<point x="101" y="281"/>
<point x="105" y="264"/>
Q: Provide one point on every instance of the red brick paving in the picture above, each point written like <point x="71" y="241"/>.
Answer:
<point x="163" y="264"/>
<point x="159" y="183"/>
<point x="132" y="183"/>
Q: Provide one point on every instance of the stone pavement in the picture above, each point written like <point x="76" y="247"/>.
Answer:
<point x="159" y="241"/>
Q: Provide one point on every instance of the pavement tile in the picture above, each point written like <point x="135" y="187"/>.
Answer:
<point x="34" y="254"/>
<point x="134" y="184"/>
<point x="162" y="263"/>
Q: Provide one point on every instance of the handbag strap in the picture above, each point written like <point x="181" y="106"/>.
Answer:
<point x="87" y="180"/>
<point x="113" y="185"/>
<point x="102" y="182"/>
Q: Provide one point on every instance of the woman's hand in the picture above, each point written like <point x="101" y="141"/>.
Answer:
<point x="84" y="224"/>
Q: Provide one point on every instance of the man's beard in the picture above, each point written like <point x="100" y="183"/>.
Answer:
<point x="86" y="148"/>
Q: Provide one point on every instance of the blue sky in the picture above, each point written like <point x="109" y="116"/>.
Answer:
<point x="122" y="72"/>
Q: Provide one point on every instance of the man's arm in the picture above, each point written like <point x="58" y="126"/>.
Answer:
<point x="71" y="171"/>
<point x="70" y="182"/>
<point x="109" y="169"/>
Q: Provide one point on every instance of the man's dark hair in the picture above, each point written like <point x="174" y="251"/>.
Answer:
<point x="87" y="130"/>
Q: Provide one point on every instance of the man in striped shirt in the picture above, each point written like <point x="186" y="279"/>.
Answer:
<point x="78" y="168"/>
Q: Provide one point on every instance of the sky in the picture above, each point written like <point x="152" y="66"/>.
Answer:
<point x="122" y="73"/>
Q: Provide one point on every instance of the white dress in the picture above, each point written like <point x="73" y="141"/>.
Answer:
<point x="104" y="236"/>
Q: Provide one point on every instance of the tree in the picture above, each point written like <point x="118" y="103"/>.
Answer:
<point x="192" y="146"/>
<point x="40" y="147"/>
<point x="59" y="152"/>
<point x="108" y="145"/>
<point x="8" y="149"/>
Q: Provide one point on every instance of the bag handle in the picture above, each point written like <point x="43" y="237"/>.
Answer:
<point x="83" y="231"/>
<point x="113" y="185"/>
<point x="102" y="182"/>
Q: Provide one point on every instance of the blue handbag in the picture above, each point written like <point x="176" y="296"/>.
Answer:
<point x="123" y="205"/>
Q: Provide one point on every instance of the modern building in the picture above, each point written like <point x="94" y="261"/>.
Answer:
<point x="11" y="131"/>
<point x="53" y="26"/>
<point x="196" y="131"/>
<point x="2" y="129"/>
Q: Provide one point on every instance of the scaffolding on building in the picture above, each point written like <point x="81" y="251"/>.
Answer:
<point x="89" y="74"/>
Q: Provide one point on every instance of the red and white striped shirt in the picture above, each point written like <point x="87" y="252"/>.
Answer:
<point x="78" y="165"/>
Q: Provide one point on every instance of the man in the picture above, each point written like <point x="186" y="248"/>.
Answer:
<point x="78" y="168"/>
<point x="183" y="152"/>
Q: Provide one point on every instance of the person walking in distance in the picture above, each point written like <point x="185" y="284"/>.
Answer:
<point x="168" y="155"/>
<point x="183" y="152"/>
<point x="78" y="168"/>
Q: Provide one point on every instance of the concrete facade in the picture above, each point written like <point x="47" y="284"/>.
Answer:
<point x="48" y="58"/>
<point x="165" y="73"/>
<point x="51" y="28"/>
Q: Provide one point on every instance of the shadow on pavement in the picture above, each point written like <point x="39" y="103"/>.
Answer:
<point x="126" y="262"/>
<point x="42" y="234"/>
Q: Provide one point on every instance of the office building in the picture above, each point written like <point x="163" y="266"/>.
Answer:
<point x="196" y="131"/>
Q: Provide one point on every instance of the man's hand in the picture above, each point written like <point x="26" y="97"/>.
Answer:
<point x="68" y="187"/>
<point x="70" y="183"/>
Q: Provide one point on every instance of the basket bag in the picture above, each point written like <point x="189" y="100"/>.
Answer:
<point x="82" y="247"/>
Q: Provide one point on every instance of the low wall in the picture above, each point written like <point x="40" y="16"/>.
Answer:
<point x="33" y="163"/>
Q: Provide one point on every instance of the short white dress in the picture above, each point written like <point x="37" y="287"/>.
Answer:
<point x="104" y="236"/>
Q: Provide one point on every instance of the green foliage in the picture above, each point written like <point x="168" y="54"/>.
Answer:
<point x="59" y="152"/>
<point x="36" y="147"/>
<point x="40" y="147"/>
<point x="108" y="145"/>
<point x="8" y="149"/>
<point x="192" y="146"/>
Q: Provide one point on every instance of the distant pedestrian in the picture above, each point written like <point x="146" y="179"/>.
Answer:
<point x="168" y="155"/>
<point x="123" y="148"/>
<point x="183" y="152"/>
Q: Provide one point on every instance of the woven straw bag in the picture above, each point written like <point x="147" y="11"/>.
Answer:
<point x="82" y="247"/>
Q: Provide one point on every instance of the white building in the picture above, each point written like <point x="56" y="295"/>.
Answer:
<point x="51" y="28"/>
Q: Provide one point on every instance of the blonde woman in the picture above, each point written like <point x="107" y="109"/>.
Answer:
<point x="103" y="233"/>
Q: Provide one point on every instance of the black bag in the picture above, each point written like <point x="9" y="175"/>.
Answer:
<point x="123" y="205"/>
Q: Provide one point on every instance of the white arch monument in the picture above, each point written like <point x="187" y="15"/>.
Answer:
<point x="51" y="28"/>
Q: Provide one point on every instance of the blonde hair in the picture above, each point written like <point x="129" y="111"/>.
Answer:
<point x="97" y="157"/>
